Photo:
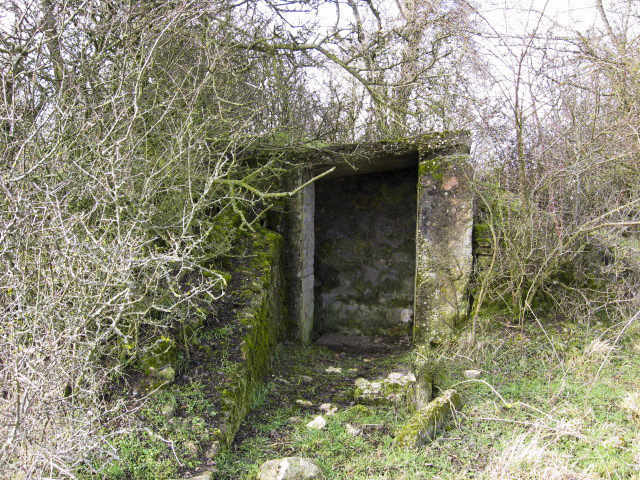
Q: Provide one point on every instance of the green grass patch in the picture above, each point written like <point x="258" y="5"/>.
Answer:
<point x="552" y="406"/>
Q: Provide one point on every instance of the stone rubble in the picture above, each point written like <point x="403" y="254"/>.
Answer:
<point x="396" y="388"/>
<point x="290" y="468"/>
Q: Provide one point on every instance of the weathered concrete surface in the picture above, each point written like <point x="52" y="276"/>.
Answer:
<point x="443" y="253"/>
<point x="299" y="247"/>
<point x="365" y="253"/>
<point x="444" y="248"/>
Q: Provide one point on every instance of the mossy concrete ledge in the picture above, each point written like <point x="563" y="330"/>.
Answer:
<point x="266" y="324"/>
<point x="424" y="425"/>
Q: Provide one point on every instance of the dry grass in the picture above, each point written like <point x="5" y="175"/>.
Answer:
<point x="599" y="348"/>
<point x="631" y="404"/>
<point x="532" y="455"/>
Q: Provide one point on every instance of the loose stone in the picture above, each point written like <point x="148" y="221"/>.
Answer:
<point x="351" y="430"/>
<point x="318" y="423"/>
<point x="328" y="408"/>
<point x="212" y="451"/>
<point x="425" y="424"/>
<point x="290" y="468"/>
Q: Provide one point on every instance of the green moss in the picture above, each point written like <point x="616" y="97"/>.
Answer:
<point x="434" y="167"/>
<point x="391" y="197"/>
<point x="361" y="246"/>
<point x="481" y="233"/>
<point x="264" y="317"/>
<point x="424" y="425"/>
<point x="399" y="303"/>
<point x="161" y="354"/>
<point x="327" y="249"/>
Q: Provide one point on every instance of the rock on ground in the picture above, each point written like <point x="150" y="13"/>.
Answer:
<point x="328" y="408"/>
<point x="351" y="430"/>
<point x="290" y="468"/>
<point x="396" y="388"/>
<point x="317" y="423"/>
<point x="423" y="426"/>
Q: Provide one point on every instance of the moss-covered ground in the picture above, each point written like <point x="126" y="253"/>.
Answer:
<point x="558" y="404"/>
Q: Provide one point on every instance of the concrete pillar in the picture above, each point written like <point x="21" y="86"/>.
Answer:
<point x="443" y="248"/>
<point x="300" y="249"/>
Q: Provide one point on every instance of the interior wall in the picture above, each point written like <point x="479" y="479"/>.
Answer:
<point x="365" y="229"/>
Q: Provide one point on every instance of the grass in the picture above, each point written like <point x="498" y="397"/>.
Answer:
<point x="569" y="409"/>
<point x="560" y="405"/>
<point x="164" y="436"/>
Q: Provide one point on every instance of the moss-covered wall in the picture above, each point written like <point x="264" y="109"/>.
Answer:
<point x="266" y="321"/>
<point x="365" y="253"/>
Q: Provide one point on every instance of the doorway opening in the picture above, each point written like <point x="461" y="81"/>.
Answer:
<point x="364" y="255"/>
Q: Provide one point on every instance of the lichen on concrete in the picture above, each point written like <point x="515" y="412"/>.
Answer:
<point x="444" y="249"/>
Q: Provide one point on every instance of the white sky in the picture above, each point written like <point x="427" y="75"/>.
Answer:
<point x="510" y="16"/>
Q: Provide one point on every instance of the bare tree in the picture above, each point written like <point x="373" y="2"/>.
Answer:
<point x="565" y="240"/>
<point x="123" y="127"/>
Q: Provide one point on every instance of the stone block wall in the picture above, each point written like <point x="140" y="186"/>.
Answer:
<point x="365" y="253"/>
<point x="266" y="321"/>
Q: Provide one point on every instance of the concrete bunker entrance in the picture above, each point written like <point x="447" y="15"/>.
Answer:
<point x="364" y="254"/>
<point x="385" y="232"/>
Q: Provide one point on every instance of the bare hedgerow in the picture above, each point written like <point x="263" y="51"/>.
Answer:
<point x="558" y="186"/>
<point x="121" y="130"/>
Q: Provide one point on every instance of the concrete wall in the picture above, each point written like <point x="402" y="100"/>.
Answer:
<point x="365" y="253"/>
<point x="367" y="266"/>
